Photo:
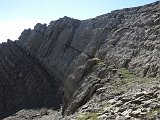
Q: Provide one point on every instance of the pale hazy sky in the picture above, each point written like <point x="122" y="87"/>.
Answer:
<point x="17" y="15"/>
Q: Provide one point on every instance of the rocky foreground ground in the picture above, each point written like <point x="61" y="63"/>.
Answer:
<point x="122" y="96"/>
<point x="107" y="67"/>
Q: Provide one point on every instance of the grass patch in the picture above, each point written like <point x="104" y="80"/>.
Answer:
<point x="157" y="110"/>
<point x="153" y="113"/>
<point x="129" y="80"/>
<point x="88" y="115"/>
<point x="125" y="73"/>
<point x="129" y="77"/>
<point x="106" y="106"/>
<point x="94" y="78"/>
<point x="99" y="61"/>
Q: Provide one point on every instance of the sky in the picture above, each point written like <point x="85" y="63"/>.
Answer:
<point x="17" y="15"/>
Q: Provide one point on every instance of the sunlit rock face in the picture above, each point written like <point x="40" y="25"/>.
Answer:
<point x="56" y="64"/>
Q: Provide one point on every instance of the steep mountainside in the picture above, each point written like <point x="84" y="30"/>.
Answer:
<point x="69" y="61"/>
<point x="24" y="83"/>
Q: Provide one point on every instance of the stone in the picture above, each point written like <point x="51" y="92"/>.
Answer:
<point x="120" y="118"/>
<point x="125" y="99"/>
<point x="102" y="117"/>
<point x="127" y="112"/>
<point x="139" y="94"/>
<point x="147" y="103"/>
<point x="112" y="101"/>
<point x="156" y="21"/>
<point x="119" y="103"/>
<point x="114" y="71"/>
<point x="135" y="113"/>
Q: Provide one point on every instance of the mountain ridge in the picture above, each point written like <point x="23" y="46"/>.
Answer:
<point x="71" y="52"/>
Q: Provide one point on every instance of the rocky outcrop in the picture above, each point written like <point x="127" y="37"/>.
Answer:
<point x="74" y="58"/>
<point x="127" y="38"/>
<point x="122" y="98"/>
<point x="51" y="45"/>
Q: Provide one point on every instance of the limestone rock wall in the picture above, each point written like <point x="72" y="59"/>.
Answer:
<point x="67" y="50"/>
<point x="52" y="45"/>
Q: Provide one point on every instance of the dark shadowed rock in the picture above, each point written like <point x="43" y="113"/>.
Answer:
<point x="24" y="83"/>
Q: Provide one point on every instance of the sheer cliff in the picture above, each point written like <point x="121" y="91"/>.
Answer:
<point x="24" y="83"/>
<point x="68" y="61"/>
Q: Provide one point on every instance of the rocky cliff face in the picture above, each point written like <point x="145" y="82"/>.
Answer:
<point x="72" y="59"/>
<point x="24" y="83"/>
